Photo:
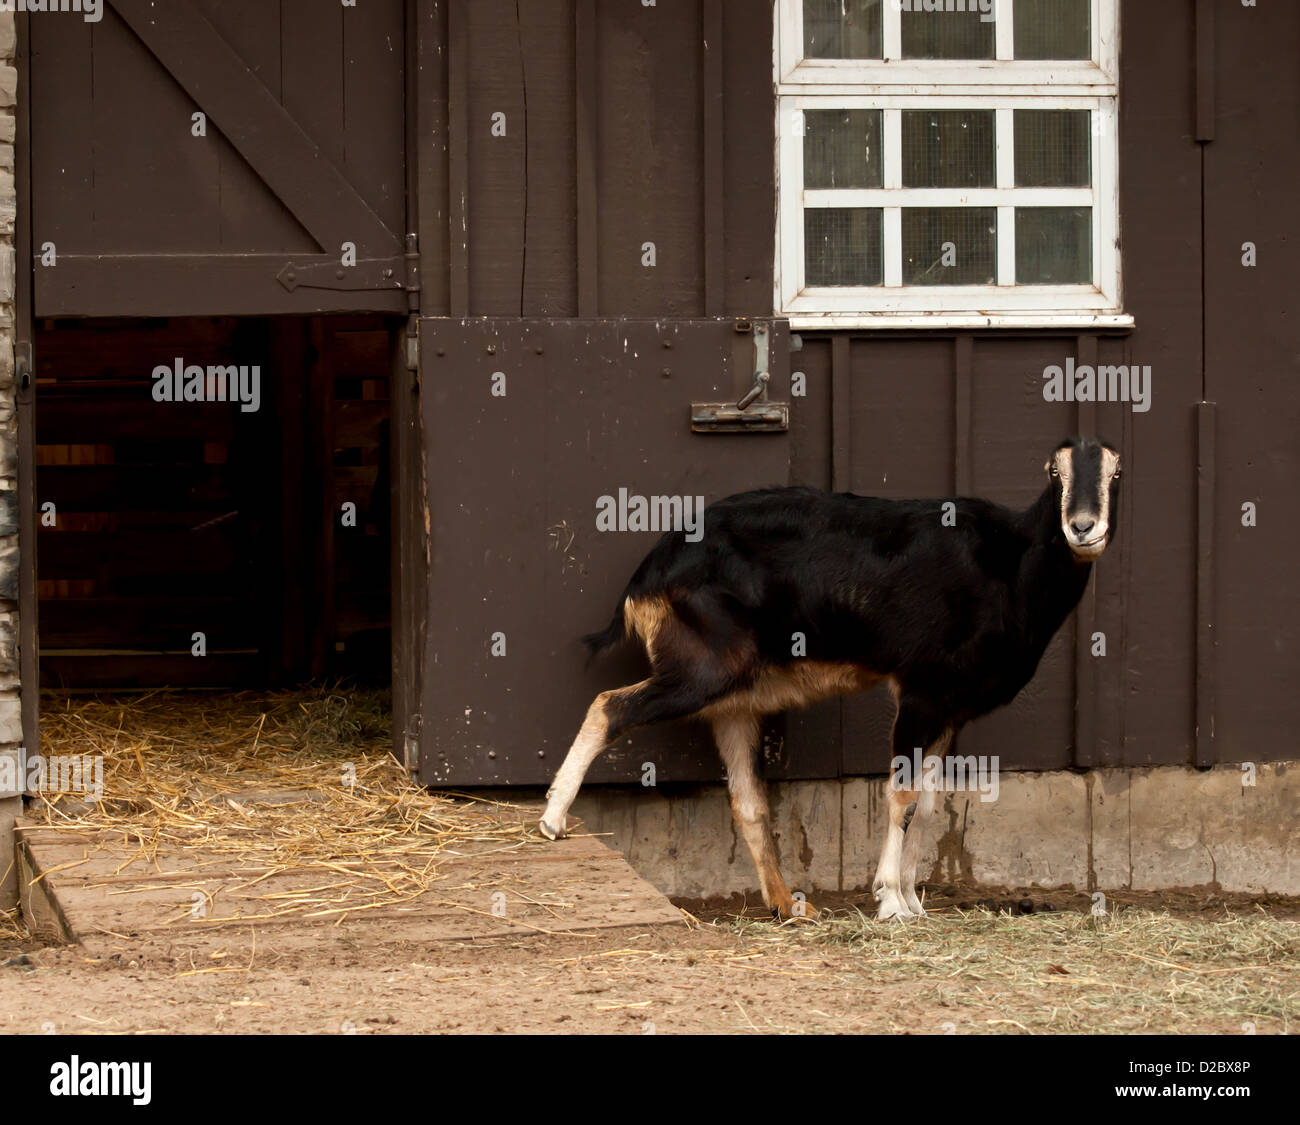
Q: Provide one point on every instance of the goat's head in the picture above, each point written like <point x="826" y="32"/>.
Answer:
<point x="1084" y="474"/>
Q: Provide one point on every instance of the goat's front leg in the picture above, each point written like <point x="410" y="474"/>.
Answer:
<point x="737" y="739"/>
<point x="919" y="726"/>
<point x="887" y="885"/>
<point x="927" y="795"/>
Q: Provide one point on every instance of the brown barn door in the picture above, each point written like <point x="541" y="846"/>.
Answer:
<point x="1249" y="627"/>
<point x="220" y="157"/>
<point x="528" y="424"/>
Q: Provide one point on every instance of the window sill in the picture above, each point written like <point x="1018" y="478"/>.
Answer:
<point x="811" y="322"/>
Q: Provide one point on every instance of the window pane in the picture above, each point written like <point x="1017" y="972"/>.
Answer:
<point x="1053" y="148"/>
<point x="947" y="34"/>
<point x="842" y="246"/>
<point x="842" y="29"/>
<point x="948" y="148"/>
<point x="950" y="245"/>
<point x="1053" y="29"/>
<point x="841" y="148"/>
<point x="1053" y="246"/>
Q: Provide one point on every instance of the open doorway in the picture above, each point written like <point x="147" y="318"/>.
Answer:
<point x="237" y="539"/>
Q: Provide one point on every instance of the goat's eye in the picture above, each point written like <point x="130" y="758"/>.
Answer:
<point x="1054" y="471"/>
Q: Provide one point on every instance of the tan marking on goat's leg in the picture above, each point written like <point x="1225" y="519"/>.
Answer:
<point x="586" y="748"/>
<point x="737" y="737"/>
<point x="931" y="766"/>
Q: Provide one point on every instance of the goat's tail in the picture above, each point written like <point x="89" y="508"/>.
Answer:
<point x="614" y="632"/>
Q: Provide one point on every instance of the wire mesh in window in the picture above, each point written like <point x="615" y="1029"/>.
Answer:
<point x="1053" y="245"/>
<point x="943" y="34"/>
<point x="842" y="246"/>
<point x="841" y="148"/>
<point x="950" y="245"/>
<point x="842" y="29"/>
<point x="1053" y="29"/>
<point x="948" y="148"/>
<point x="1053" y="148"/>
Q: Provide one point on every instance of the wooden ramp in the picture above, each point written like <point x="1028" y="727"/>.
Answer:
<point x="114" y="892"/>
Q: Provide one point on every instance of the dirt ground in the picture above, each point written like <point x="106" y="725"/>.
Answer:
<point x="179" y="770"/>
<point x="1199" y="962"/>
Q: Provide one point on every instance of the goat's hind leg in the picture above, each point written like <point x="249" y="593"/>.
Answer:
<point x="737" y="738"/>
<point x="592" y="739"/>
<point x="673" y="692"/>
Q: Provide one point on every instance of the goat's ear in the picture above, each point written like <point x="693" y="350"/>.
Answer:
<point x="1047" y="466"/>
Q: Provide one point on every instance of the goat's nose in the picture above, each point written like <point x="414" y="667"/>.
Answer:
<point x="1082" y="527"/>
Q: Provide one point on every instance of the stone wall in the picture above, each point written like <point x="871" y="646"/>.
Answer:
<point x="11" y="727"/>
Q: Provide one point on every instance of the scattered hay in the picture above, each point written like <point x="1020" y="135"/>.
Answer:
<point x="12" y="930"/>
<point x="297" y="783"/>
<point x="1127" y="971"/>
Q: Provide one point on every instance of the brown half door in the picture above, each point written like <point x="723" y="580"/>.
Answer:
<point x="527" y="425"/>
<point x="219" y="157"/>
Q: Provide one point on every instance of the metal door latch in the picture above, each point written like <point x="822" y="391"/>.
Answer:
<point x="749" y="415"/>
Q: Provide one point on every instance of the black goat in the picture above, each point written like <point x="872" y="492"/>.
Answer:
<point x="794" y="595"/>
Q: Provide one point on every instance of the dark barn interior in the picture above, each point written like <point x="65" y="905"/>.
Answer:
<point x="163" y="520"/>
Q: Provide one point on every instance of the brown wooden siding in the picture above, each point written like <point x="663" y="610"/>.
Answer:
<point x="621" y="129"/>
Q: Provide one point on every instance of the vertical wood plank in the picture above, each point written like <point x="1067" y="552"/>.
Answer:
<point x="1206" y="640"/>
<point x="963" y="451"/>
<point x="374" y="82"/>
<point x="550" y="283"/>
<point x="714" y="155"/>
<point x="430" y="114"/>
<point x="458" y="153"/>
<point x="1205" y="77"/>
<point x="585" y="123"/>
<point x="1085" y="618"/>
<point x="841" y="414"/>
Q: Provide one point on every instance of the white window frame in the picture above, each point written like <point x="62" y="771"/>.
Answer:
<point x="894" y="85"/>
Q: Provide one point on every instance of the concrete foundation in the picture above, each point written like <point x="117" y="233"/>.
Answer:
<point x="1135" y="829"/>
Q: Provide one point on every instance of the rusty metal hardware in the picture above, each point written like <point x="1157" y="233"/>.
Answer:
<point x="753" y="413"/>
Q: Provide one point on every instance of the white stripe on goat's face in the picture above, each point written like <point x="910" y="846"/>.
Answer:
<point x="1087" y="471"/>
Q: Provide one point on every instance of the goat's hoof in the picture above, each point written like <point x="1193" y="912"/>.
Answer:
<point x="551" y="833"/>
<point x="796" y="910"/>
<point x="892" y="906"/>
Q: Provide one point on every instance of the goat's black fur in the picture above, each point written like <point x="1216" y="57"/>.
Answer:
<point x="959" y="616"/>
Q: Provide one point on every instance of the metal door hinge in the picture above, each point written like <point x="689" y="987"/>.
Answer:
<point x="370" y="273"/>
<point x="753" y="413"/>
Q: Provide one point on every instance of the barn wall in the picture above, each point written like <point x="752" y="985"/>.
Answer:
<point x="570" y="135"/>
<point x="11" y="725"/>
